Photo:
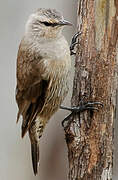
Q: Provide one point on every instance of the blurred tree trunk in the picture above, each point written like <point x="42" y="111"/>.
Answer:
<point x="90" y="135"/>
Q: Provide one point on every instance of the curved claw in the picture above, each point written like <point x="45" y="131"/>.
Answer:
<point x="74" y="42"/>
<point x="83" y="108"/>
<point x="92" y="108"/>
<point x="66" y="119"/>
<point x="94" y="103"/>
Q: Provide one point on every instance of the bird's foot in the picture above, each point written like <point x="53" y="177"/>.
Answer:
<point x="74" y="42"/>
<point x="83" y="107"/>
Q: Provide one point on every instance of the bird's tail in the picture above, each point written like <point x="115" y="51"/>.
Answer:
<point x="35" y="156"/>
<point x="35" y="133"/>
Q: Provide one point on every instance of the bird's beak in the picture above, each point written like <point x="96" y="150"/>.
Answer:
<point x="64" y="23"/>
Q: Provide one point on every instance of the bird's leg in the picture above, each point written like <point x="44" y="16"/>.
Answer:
<point x="67" y="119"/>
<point x="83" y="107"/>
<point x="74" y="42"/>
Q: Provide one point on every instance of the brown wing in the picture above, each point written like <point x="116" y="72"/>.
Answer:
<point x="31" y="88"/>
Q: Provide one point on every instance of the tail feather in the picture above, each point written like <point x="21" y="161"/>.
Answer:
<point x="35" y="133"/>
<point x="35" y="157"/>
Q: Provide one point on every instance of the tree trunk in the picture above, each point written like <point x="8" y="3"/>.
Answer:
<point x="89" y="137"/>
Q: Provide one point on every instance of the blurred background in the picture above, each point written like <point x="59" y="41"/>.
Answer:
<point x="15" y="159"/>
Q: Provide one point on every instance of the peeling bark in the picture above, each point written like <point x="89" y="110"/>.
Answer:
<point x="90" y="135"/>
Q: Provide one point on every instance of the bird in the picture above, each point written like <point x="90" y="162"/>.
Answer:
<point x="43" y="68"/>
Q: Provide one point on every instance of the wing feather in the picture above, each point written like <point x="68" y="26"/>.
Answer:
<point x="31" y="88"/>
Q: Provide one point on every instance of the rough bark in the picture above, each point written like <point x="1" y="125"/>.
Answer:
<point x="90" y="135"/>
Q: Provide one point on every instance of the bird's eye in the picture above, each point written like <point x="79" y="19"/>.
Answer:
<point x="47" y="23"/>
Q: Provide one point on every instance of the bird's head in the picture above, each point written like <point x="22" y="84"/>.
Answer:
<point x="46" y="23"/>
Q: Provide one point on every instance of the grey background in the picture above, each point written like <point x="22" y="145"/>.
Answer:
<point x="15" y="159"/>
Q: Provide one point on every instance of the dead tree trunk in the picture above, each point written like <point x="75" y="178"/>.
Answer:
<point x="90" y="135"/>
